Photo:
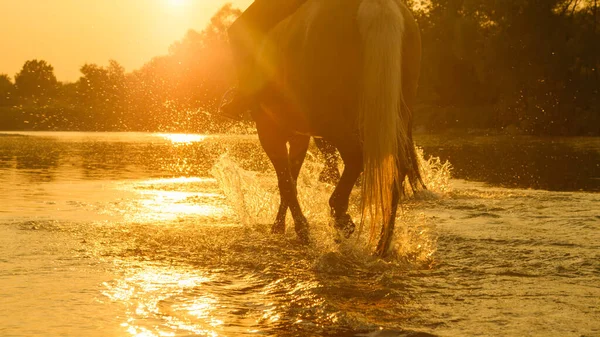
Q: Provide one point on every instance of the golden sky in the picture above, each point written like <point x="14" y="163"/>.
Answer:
<point x="70" y="33"/>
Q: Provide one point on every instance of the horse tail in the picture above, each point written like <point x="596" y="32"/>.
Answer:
<point x="383" y="115"/>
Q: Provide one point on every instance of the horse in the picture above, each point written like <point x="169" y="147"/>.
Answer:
<point x="345" y="71"/>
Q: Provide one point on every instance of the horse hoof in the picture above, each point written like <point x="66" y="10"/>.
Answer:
<point x="302" y="233"/>
<point x="278" y="228"/>
<point x="379" y="252"/>
<point x="383" y="248"/>
<point x="345" y="225"/>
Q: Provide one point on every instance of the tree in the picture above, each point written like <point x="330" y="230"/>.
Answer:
<point x="102" y="94"/>
<point x="168" y="91"/>
<point x="6" y="90"/>
<point x="92" y="85"/>
<point x="36" y="81"/>
<point x="535" y="62"/>
<point x="206" y="68"/>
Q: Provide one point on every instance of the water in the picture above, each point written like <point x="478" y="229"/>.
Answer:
<point x="134" y="234"/>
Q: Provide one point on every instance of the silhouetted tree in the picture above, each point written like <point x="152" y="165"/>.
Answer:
<point x="534" y="63"/>
<point x="92" y="85"/>
<point x="169" y="91"/>
<point x="36" y="81"/>
<point x="6" y="90"/>
<point x="102" y="95"/>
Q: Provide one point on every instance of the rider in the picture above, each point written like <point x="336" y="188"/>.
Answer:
<point x="246" y="35"/>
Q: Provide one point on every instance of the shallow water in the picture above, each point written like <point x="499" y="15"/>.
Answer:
<point x="134" y="234"/>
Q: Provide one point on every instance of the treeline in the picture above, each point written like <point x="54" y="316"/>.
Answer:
<point x="528" y="66"/>
<point x="171" y="93"/>
<point x="516" y="66"/>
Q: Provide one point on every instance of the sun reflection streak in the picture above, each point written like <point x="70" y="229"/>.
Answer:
<point x="159" y="200"/>
<point x="182" y="138"/>
<point x="149" y="295"/>
<point x="161" y="205"/>
<point x="201" y="307"/>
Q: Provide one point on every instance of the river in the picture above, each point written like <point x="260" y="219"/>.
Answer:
<point x="142" y="234"/>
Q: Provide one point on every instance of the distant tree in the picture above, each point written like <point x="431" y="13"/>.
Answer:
<point x="92" y="84"/>
<point x="102" y="94"/>
<point x="6" y="90"/>
<point x="214" y="34"/>
<point x="168" y="91"/>
<point x="536" y="62"/>
<point x="206" y="68"/>
<point x="117" y="96"/>
<point x="36" y="81"/>
<point x="116" y="77"/>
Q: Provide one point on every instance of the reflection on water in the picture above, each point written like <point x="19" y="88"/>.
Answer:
<point x="182" y="302"/>
<point x="555" y="164"/>
<point x="182" y="138"/>
<point x="172" y="199"/>
<point x="168" y="235"/>
<point x="121" y="155"/>
<point x="148" y="291"/>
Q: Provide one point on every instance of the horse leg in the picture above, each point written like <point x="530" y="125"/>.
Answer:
<point x="330" y="173"/>
<point x="279" y="224"/>
<point x="274" y="142"/>
<point x="297" y="154"/>
<point x="352" y="156"/>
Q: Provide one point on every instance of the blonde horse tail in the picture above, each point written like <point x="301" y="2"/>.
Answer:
<point x="383" y="116"/>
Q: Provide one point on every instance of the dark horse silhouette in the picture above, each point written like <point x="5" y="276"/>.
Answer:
<point x="346" y="71"/>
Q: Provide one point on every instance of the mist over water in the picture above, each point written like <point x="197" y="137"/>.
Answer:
<point x="168" y="235"/>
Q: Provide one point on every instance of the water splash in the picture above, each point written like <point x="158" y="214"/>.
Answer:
<point x="254" y="197"/>
<point x="436" y="175"/>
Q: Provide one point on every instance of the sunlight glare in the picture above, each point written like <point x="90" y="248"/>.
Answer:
<point x="172" y="205"/>
<point x="144" y="291"/>
<point x="169" y="199"/>
<point x="184" y="138"/>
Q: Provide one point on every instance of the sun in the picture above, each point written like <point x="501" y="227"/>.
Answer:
<point x="176" y="7"/>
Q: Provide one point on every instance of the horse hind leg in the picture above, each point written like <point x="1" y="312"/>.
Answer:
<point x="352" y="155"/>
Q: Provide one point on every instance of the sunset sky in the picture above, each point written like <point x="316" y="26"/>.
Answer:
<point x="70" y="33"/>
